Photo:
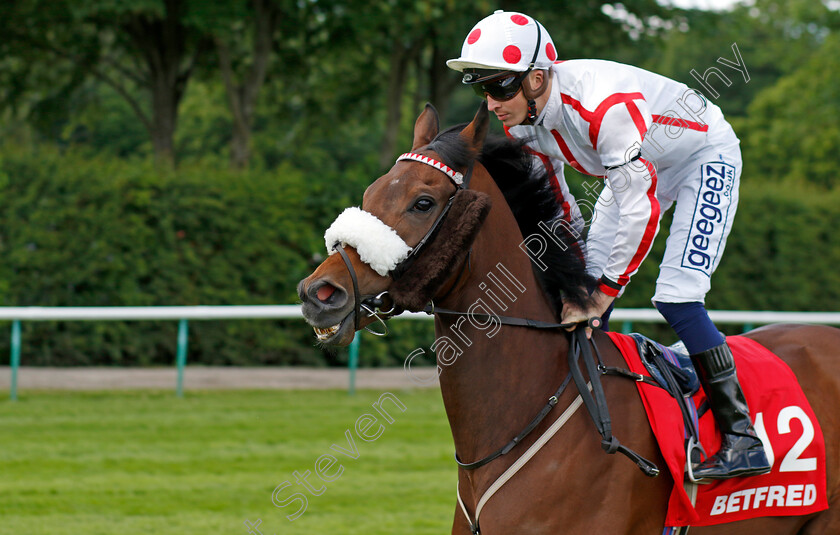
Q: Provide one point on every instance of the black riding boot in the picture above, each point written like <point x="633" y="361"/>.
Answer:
<point x="741" y="452"/>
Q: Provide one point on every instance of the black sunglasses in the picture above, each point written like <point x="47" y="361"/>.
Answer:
<point x="501" y="88"/>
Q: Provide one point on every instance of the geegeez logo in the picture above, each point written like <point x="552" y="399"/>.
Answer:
<point x="710" y="216"/>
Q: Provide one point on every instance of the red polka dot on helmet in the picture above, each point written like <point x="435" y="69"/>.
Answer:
<point x="550" y="52"/>
<point x="512" y="54"/>
<point x="506" y="41"/>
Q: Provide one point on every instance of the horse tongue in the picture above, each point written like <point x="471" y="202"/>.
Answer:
<point x="325" y="291"/>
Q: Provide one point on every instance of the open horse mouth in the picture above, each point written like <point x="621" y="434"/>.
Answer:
<point x="324" y="334"/>
<point x="328" y="310"/>
<point x="334" y="332"/>
<point x="330" y="334"/>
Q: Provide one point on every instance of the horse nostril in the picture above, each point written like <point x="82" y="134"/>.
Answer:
<point x="324" y="292"/>
<point x="326" y="295"/>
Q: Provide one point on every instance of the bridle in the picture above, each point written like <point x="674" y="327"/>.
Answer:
<point x="372" y="304"/>
<point x="591" y="392"/>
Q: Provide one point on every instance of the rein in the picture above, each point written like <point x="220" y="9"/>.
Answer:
<point x="594" y="323"/>
<point x="596" y="401"/>
<point x="591" y="393"/>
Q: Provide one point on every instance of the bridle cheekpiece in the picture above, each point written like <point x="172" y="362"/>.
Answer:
<point x="372" y="305"/>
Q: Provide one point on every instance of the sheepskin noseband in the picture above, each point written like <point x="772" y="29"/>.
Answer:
<point x="444" y="253"/>
<point x="378" y="245"/>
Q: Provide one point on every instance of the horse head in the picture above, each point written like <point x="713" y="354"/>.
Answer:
<point x="414" y="229"/>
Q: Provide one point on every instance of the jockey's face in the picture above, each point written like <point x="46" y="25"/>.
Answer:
<point x="515" y="111"/>
<point x="511" y="112"/>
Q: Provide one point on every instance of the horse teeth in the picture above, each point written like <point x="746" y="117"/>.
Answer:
<point x="323" y="334"/>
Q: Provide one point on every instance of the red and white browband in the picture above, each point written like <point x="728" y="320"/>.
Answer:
<point x="453" y="175"/>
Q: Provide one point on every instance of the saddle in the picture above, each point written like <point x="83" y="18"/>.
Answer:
<point x="670" y="366"/>
<point x="775" y="399"/>
<point x="672" y="369"/>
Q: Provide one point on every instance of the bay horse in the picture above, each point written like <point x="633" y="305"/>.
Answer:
<point x="494" y="378"/>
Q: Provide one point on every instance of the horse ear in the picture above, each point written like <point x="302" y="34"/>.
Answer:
<point x="476" y="131"/>
<point x="426" y="127"/>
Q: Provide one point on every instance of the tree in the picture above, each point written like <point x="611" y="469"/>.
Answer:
<point x="424" y="35"/>
<point x="792" y="130"/>
<point x="243" y="75"/>
<point x="150" y="47"/>
<point x="773" y="38"/>
<point x="409" y="44"/>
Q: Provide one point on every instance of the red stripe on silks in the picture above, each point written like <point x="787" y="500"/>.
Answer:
<point x="555" y="183"/>
<point x="679" y="122"/>
<point x="568" y="153"/>
<point x="603" y="107"/>
<point x="577" y="106"/>
<point x="650" y="229"/>
<point x="612" y="292"/>
<point x="638" y="120"/>
<point x="507" y="131"/>
<point x="595" y="118"/>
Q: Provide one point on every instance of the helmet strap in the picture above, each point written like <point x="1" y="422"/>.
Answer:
<point x="532" y="95"/>
<point x="532" y="111"/>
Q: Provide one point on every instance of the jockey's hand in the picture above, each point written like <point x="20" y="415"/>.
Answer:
<point x="599" y="302"/>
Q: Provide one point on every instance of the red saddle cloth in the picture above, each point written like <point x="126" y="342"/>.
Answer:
<point x="782" y="417"/>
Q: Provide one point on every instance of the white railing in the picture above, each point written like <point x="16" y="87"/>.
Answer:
<point x="185" y="313"/>
<point x="150" y="313"/>
<point x="646" y="315"/>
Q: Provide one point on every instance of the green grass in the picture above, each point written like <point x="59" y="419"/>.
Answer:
<point x="146" y="462"/>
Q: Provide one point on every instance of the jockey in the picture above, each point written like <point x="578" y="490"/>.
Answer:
<point x="656" y="143"/>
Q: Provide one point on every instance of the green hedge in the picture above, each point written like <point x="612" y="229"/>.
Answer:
<point x="782" y="253"/>
<point x="106" y="232"/>
<point x="79" y="231"/>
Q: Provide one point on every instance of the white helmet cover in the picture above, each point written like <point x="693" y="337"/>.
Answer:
<point x="506" y="41"/>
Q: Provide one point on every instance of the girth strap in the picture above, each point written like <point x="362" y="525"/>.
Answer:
<point x="596" y="402"/>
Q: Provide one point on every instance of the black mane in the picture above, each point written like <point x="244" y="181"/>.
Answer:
<point x="532" y="200"/>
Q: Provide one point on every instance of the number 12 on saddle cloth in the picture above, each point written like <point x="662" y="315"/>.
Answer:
<point x="783" y="419"/>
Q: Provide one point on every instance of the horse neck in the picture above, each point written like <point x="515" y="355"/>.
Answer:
<point x="495" y="378"/>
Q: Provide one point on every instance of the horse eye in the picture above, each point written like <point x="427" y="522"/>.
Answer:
<point x="423" y="205"/>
